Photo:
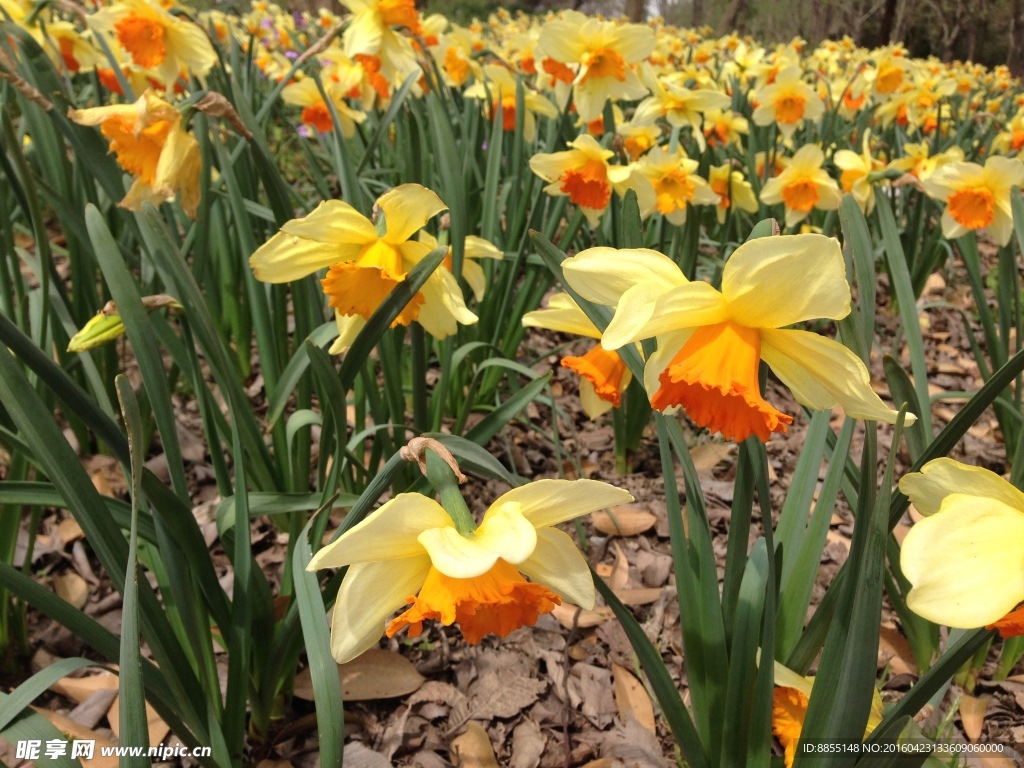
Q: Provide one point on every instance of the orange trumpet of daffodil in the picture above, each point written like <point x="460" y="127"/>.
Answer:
<point x="409" y="552"/>
<point x="151" y="145"/>
<point x="603" y="374"/>
<point x="803" y="186"/>
<point x="711" y="343"/>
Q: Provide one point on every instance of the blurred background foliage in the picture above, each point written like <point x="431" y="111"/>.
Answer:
<point x="989" y="32"/>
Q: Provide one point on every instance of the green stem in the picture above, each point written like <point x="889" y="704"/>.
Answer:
<point x="443" y="479"/>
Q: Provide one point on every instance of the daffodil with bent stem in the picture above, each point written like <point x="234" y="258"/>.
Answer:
<point x="603" y="374"/>
<point x="410" y="552"/>
<point x="710" y="343"/>
<point x="364" y="265"/>
<point x="965" y="559"/>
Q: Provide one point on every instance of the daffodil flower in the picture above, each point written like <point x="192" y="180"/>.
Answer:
<point x="409" y="552"/>
<point x="789" y="709"/>
<point x="680" y="106"/>
<point x="673" y="177"/>
<point x="603" y="374"/>
<point x="965" y="559"/>
<point x="371" y="33"/>
<point x="315" y="111"/>
<point x="155" y="39"/>
<point x="787" y="102"/>
<point x="855" y="173"/>
<point x="150" y="144"/>
<point x="732" y="190"/>
<point x="602" y="52"/>
<point x="364" y="266"/>
<point x="585" y="175"/>
<point x="710" y="343"/>
<point x="977" y="197"/>
<point x="500" y="88"/>
<point x="803" y="186"/>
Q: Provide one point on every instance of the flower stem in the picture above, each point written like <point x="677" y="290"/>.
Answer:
<point x="441" y="476"/>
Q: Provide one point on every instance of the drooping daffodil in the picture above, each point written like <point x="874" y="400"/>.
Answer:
<point x="409" y="552"/>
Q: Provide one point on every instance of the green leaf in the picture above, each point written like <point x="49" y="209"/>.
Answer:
<point x="134" y="729"/>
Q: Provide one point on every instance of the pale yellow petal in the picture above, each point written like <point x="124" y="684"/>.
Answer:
<point x="549" y="502"/>
<point x="685" y="306"/>
<point x="456" y="555"/>
<point x="558" y="564"/>
<point x="562" y="315"/>
<point x="943" y="477"/>
<point x="333" y="221"/>
<point x="284" y="258"/>
<point x="369" y="594"/>
<point x="771" y="282"/>
<point x="966" y="562"/>
<point x="349" y="327"/>
<point x="822" y="373"/>
<point x="505" y="531"/>
<point x="364" y="33"/>
<point x="603" y="274"/>
<point x="407" y="208"/>
<point x="387" y="533"/>
<point x="593" y="404"/>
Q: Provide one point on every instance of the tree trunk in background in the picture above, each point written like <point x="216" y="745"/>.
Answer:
<point x="635" y="10"/>
<point x="888" y="19"/>
<point x="1015" y="57"/>
<point x="736" y="16"/>
<point x="698" y="13"/>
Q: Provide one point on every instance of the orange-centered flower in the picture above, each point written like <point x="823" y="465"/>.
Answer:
<point x="715" y="378"/>
<point x="364" y="265"/>
<point x="498" y="602"/>
<point x="137" y="152"/>
<point x="800" y="195"/>
<point x="973" y="208"/>
<point x="789" y="709"/>
<point x="400" y="13"/>
<point x="789" y="108"/>
<point x="889" y="79"/>
<point x="603" y="369"/>
<point x="587" y="185"/>
<point x="142" y="36"/>
<point x="604" y="62"/>
<point x="409" y="552"/>
<point x="674" y="191"/>
<point x="711" y="343"/>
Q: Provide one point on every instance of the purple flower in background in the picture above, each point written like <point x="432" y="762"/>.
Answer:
<point x="267" y="23"/>
<point x="304" y="131"/>
<point x="291" y="54"/>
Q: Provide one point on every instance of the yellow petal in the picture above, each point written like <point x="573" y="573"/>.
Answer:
<point x="686" y="306"/>
<point x="369" y="594"/>
<point x="349" y="327"/>
<point x="593" y="404"/>
<point x="942" y="477"/>
<point x="772" y="282"/>
<point x="333" y="221"/>
<point x="474" y="274"/>
<point x="549" y="502"/>
<point x="478" y="248"/>
<point x="966" y="562"/>
<point x="557" y="563"/>
<point x="603" y="274"/>
<point x="407" y="209"/>
<point x="179" y="169"/>
<point x="285" y="257"/>
<point x="822" y="373"/>
<point x="456" y="555"/>
<point x="364" y="33"/>
<point x="787" y="678"/>
<point x="388" y="533"/>
<point x="504" y="530"/>
<point x="562" y="315"/>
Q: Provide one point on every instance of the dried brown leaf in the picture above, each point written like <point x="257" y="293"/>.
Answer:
<point x="624" y="520"/>
<point x="631" y="698"/>
<point x="473" y="749"/>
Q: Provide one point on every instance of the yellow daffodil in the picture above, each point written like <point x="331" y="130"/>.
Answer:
<point x="680" y="106"/>
<point x="603" y="375"/>
<point x="917" y="160"/>
<point x="475" y="248"/>
<point x="787" y="102"/>
<point x="151" y="145"/>
<point x="977" y="197"/>
<point x="723" y="128"/>
<point x="855" y="169"/>
<point x="372" y="32"/>
<point x="584" y="174"/>
<point x="499" y="87"/>
<point x="965" y="559"/>
<point x="889" y="73"/>
<point x="155" y="39"/>
<point x="602" y="52"/>
<point x="315" y="111"/>
<point x="1011" y="138"/>
<point x="363" y="265"/>
<point x="676" y="185"/>
<point x="789" y="709"/>
<point x="710" y="343"/>
<point x="409" y="552"/>
<point x="803" y="186"/>
<point x="72" y="47"/>
<point x="732" y="188"/>
<point x="637" y="139"/>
